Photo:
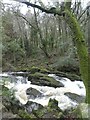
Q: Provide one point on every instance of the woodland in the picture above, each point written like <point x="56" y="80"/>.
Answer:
<point x="54" y="38"/>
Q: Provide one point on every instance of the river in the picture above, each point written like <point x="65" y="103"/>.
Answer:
<point x="20" y="84"/>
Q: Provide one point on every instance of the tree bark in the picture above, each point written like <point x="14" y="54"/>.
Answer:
<point x="82" y="50"/>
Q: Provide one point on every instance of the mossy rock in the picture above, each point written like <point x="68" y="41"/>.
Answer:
<point x="23" y="114"/>
<point x="51" y="111"/>
<point x="44" y="80"/>
<point x="45" y="71"/>
<point x="6" y="79"/>
<point x="53" y="104"/>
<point x="73" y="77"/>
<point x="32" y="106"/>
<point x="37" y="69"/>
<point x="47" y="112"/>
<point x="9" y="101"/>
<point x="70" y="76"/>
<point x="34" y="69"/>
<point x="33" y="93"/>
<point x="75" y="97"/>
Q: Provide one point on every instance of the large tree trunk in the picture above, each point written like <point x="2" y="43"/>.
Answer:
<point x="82" y="50"/>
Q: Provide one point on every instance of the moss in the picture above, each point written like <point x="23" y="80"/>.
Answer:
<point x="34" y="69"/>
<point x="51" y="81"/>
<point x="53" y="103"/>
<point x="44" y="79"/>
<point x="73" y="77"/>
<point x="51" y="111"/>
<point x="81" y="49"/>
<point x="37" y="69"/>
<point x="25" y="115"/>
<point x="36" y="75"/>
<point x="43" y="70"/>
<point x="76" y="112"/>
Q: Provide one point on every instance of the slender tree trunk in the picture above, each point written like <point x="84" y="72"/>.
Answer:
<point x="44" y="46"/>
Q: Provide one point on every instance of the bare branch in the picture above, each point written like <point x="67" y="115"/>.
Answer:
<point x="83" y="12"/>
<point x="24" y="19"/>
<point x="48" y="11"/>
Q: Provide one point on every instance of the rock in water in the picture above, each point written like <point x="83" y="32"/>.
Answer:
<point x="44" y="80"/>
<point x="53" y="103"/>
<point x="75" y="97"/>
<point x="33" y="93"/>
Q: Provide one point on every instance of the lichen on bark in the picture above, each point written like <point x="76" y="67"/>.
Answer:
<point x="82" y="49"/>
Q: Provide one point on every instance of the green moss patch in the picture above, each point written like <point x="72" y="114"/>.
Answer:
<point x="43" y="80"/>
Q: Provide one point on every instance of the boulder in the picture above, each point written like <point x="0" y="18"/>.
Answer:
<point x="75" y="97"/>
<point x="33" y="93"/>
<point x="68" y="75"/>
<point x="53" y="103"/>
<point x="9" y="101"/>
<point x="24" y="74"/>
<point x="51" y="111"/>
<point x="44" y="80"/>
<point x="8" y="114"/>
<point x="32" y="106"/>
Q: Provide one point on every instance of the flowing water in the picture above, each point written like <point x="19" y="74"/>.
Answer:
<point x="21" y="84"/>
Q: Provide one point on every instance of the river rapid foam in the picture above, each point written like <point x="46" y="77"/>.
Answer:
<point x="64" y="102"/>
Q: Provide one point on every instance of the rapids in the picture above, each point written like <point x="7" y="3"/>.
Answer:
<point x="22" y="84"/>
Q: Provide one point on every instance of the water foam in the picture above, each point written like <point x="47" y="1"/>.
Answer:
<point x="64" y="101"/>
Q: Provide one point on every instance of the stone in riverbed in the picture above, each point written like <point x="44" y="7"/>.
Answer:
<point x="50" y="111"/>
<point x="33" y="93"/>
<point x="24" y="74"/>
<point x="31" y="106"/>
<point x="70" y="76"/>
<point x="75" y="97"/>
<point x="44" y="80"/>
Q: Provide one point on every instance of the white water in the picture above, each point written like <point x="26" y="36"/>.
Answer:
<point x="64" y="101"/>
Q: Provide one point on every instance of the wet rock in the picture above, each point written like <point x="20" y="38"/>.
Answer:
<point x="33" y="93"/>
<point x="44" y="80"/>
<point x="24" y="115"/>
<point x="75" y="97"/>
<point x="70" y="76"/>
<point x="24" y="74"/>
<point x="8" y="114"/>
<point x="9" y="101"/>
<point x="52" y="114"/>
<point x="53" y="103"/>
<point x="50" y="111"/>
<point x="31" y="106"/>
